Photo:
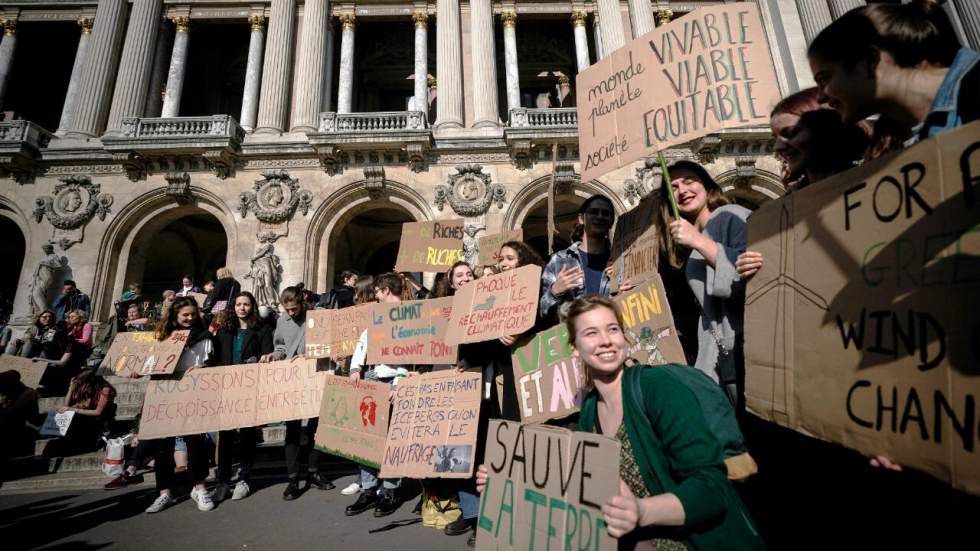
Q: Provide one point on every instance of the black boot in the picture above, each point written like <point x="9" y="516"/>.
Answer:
<point x="471" y="541"/>
<point x="388" y="503"/>
<point x="320" y="482"/>
<point x="292" y="490"/>
<point x="460" y="526"/>
<point x="365" y="501"/>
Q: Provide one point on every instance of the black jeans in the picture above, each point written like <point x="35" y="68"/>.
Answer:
<point x="247" y="438"/>
<point x="299" y="440"/>
<point x="163" y="455"/>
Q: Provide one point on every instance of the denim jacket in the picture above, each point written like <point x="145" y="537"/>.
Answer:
<point x="946" y="111"/>
<point x="549" y="305"/>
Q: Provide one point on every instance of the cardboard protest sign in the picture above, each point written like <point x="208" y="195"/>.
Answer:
<point x="432" y="433"/>
<point x="489" y="245"/>
<point x="495" y="306"/>
<point x="199" y="298"/>
<point x="333" y="333"/>
<point x="430" y="246"/>
<point x="536" y="470"/>
<point x="234" y="396"/>
<point x="708" y="70"/>
<point x="142" y="353"/>
<point x="57" y="424"/>
<point x="354" y="419"/>
<point x="30" y="371"/>
<point x="410" y="332"/>
<point x="862" y="326"/>
<point x="549" y="381"/>
<point x="635" y="250"/>
<point x="649" y="325"/>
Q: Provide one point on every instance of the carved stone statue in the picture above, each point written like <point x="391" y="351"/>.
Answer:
<point x="44" y="276"/>
<point x="266" y="273"/>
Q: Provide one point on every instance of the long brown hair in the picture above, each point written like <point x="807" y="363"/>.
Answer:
<point x="444" y="287"/>
<point x="168" y="323"/>
<point x="525" y="254"/>
<point x="231" y="323"/>
<point x="581" y="306"/>
<point x="87" y="386"/>
<point x="674" y="252"/>
<point x="364" y="289"/>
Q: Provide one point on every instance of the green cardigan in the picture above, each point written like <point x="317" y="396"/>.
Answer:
<point x="678" y="454"/>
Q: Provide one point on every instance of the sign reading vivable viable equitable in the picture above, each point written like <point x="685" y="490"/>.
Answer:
<point x="708" y="70"/>
<point x="430" y="246"/>
<point x="863" y="325"/>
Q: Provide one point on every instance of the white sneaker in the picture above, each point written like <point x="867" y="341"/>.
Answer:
<point x="352" y="489"/>
<point x="220" y="493"/>
<point x="162" y="502"/>
<point x="203" y="499"/>
<point x="241" y="491"/>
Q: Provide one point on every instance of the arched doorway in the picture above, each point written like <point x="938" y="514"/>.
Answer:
<point x="535" y="224"/>
<point x="13" y="247"/>
<point x="188" y="240"/>
<point x="368" y="240"/>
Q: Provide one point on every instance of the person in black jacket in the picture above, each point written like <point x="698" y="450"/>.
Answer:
<point x="243" y="339"/>
<point x="224" y="292"/>
<point x="341" y="296"/>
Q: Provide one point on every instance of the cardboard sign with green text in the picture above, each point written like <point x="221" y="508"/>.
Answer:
<point x="862" y="327"/>
<point x="141" y="353"/>
<point x="549" y="381"/>
<point x="30" y="370"/>
<point x="230" y="397"/>
<point x="546" y="488"/>
<point x="354" y="419"/>
<point x="708" y="70"/>
<point x="410" y="332"/>
<point x="333" y="333"/>
<point x="649" y="325"/>
<point x="495" y="306"/>
<point x="430" y="246"/>
<point x="489" y="245"/>
<point x="432" y="433"/>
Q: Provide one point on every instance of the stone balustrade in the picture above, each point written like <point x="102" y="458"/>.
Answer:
<point x="381" y="121"/>
<point x="183" y="127"/>
<point x="564" y="117"/>
<point x="21" y="143"/>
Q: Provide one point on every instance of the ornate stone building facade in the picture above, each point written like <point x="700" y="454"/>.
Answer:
<point x="289" y="139"/>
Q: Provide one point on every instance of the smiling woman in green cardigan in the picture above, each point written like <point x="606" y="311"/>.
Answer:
<point x="674" y="490"/>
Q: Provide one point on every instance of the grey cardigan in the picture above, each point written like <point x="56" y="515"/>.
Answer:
<point x="721" y="293"/>
<point x="290" y="338"/>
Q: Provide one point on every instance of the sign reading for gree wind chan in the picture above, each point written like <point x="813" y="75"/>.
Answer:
<point x="495" y="306"/>
<point x="549" y="381"/>
<point x="432" y="433"/>
<point x="708" y="70"/>
<point x="141" y="353"/>
<point x="649" y="324"/>
<point x="229" y="397"/>
<point x="546" y="489"/>
<point x="333" y="333"/>
<point x="863" y="325"/>
<point x="354" y="419"/>
<point x="430" y="246"/>
<point x="410" y="332"/>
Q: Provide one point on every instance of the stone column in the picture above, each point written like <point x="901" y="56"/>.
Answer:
<point x="969" y="12"/>
<point x="178" y="65"/>
<point x="509" y="20"/>
<point x="158" y="77"/>
<point x="449" y="65"/>
<point x="274" y="100"/>
<point x="96" y="82"/>
<point x="483" y="52"/>
<point x="641" y="17"/>
<point x="327" y="90"/>
<point x="253" y="73"/>
<point x="610" y="26"/>
<point x="600" y="52"/>
<point x="129" y="98"/>
<point x="421" y="92"/>
<point x="581" y="40"/>
<point x="7" y="54"/>
<point x="840" y="7"/>
<point x="345" y="88"/>
<point x="71" y="96"/>
<point x="814" y="16"/>
<point x="312" y="54"/>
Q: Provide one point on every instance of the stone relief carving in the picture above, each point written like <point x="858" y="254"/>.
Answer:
<point x="374" y="182"/>
<point x="44" y="276"/>
<point x="75" y="202"/>
<point x="648" y="178"/>
<point x="266" y="271"/>
<point x="470" y="192"/>
<point x="179" y="187"/>
<point x="275" y="199"/>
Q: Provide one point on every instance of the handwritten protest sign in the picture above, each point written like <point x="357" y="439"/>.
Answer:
<point x="199" y="298"/>
<point x="708" y="70"/>
<point x="30" y="371"/>
<point x="546" y="489"/>
<point x="354" y="420"/>
<point x="635" y="250"/>
<point x="432" y="433"/>
<point x="649" y="325"/>
<point x="549" y="381"/>
<point x="333" y="333"/>
<point x="489" y="245"/>
<point x="410" y="332"/>
<point x="495" y="306"/>
<point x="430" y="246"/>
<point x="57" y="424"/>
<point x="142" y="353"/>
<point x="862" y="327"/>
<point x="229" y="397"/>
